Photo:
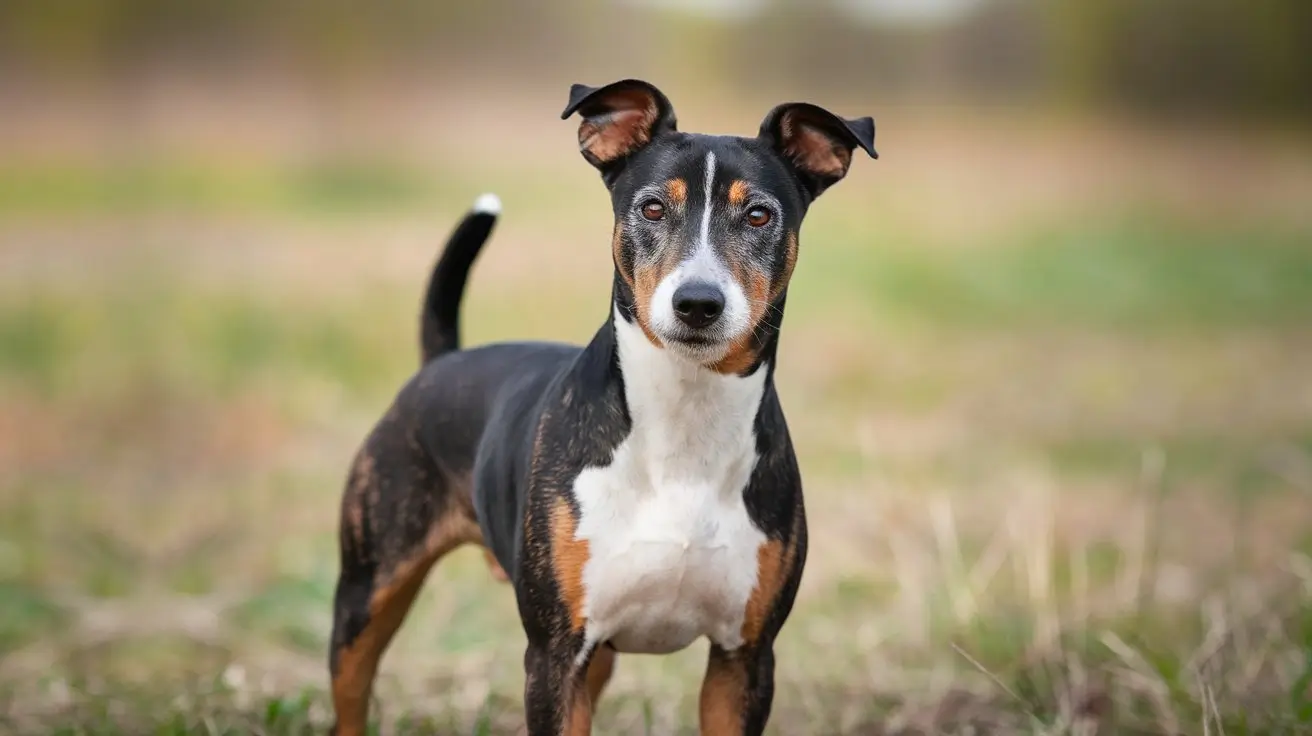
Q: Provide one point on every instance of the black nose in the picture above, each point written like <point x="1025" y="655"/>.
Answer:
<point x="698" y="304"/>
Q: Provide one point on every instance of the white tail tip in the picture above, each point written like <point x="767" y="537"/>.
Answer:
<point x="488" y="204"/>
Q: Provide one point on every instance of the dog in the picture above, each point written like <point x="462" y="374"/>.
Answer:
<point x="639" y="492"/>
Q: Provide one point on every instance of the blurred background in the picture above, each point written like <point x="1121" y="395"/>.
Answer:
<point x="1048" y="361"/>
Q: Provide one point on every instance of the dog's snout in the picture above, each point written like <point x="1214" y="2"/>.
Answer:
<point x="698" y="304"/>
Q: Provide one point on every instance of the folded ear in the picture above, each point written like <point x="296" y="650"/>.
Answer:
<point x="818" y="143"/>
<point x="618" y="119"/>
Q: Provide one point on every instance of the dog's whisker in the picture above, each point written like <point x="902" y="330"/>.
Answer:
<point x="766" y="305"/>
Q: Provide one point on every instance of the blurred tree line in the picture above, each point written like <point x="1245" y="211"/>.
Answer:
<point x="1197" y="57"/>
<point x="1243" y="56"/>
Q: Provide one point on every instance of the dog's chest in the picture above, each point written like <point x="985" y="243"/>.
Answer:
<point x="672" y="551"/>
<point x="667" y="563"/>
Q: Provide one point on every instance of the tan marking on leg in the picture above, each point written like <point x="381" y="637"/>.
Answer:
<point x="357" y="664"/>
<point x="774" y="562"/>
<point x="578" y="712"/>
<point x="770" y="562"/>
<point x="737" y="192"/>
<point x="498" y="572"/>
<point x="742" y="352"/>
<point x="354" y="520"/>
<point x="362" y="479"/>
<point x="600" y="669"/>
<point x="568" y="556"/>
<point x="723" y="697"/>
<point x="677" y="191"/>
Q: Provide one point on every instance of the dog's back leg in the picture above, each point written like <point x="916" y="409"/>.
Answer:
<point x="400" y="515"/>
<point x="600" y="668"/>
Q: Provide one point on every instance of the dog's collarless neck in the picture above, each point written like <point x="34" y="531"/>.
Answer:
<point x="681" y="401"/>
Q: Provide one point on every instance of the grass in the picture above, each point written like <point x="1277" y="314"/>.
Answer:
<point x="319" y="188"/>
<point x="1133" y="272"/>
<point x="1056" y="478"/>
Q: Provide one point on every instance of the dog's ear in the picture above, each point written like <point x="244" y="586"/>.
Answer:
<point x="618" y="119"/>
<point x="817" y="143"/>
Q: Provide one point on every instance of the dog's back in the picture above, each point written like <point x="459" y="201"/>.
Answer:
<point x="470" y="413"/>
<point x="474" y="414"/>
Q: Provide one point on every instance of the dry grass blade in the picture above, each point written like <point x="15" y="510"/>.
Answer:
<point x="994" y="678"/>
<point x="1149" y="680"/>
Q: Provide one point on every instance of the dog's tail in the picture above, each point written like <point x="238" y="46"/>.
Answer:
<point x="439" y="330"/>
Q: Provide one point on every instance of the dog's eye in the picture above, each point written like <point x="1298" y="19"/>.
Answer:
<point x="758" y="217"/>
<point x="653" y="210"/>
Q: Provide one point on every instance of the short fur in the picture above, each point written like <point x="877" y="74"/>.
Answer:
<point x="639" y="492"/>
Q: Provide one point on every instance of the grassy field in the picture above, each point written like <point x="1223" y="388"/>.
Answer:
<point x="1057" y="440"/>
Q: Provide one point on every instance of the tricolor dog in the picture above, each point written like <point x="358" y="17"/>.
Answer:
<point x="640" y="492"/>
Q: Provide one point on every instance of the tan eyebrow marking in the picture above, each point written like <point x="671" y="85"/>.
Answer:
<point x="737" y="192"/>
<point x="677" y="189"/>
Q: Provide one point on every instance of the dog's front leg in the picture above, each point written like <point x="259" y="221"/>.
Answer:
<point x="557" y="701"/>
<point x="738" y="690"/>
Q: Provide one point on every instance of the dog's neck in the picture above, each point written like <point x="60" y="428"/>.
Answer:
<point x="692" y="422"/>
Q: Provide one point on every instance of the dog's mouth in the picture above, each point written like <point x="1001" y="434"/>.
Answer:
<point x="699" y="347"/>
<point x="697" y="341"/>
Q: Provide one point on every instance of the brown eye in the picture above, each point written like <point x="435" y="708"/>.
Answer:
<point x="758" y="217"/>
<point x="653" y="211"/>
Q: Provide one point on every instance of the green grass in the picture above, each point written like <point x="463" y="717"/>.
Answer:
<point x="1125" y="273"/>
<point x="319" y="188"/>
<point x="324" y="187"/>
<point x="27" y="613"/>
<point x="216" y="342"/>
<point x="292" y="610"/>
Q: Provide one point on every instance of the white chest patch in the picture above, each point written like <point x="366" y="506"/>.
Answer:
<point x="672" y="553"/>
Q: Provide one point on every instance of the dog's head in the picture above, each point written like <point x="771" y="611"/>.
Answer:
<point x="706" y="227"/>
